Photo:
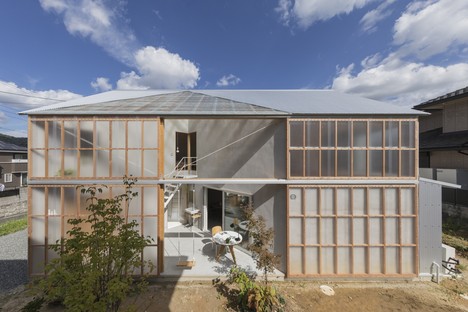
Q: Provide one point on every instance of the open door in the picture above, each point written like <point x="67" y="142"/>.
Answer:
<point x="186" y="149"/>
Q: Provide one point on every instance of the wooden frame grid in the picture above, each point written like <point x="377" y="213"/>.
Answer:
<point x="378" y="241"/>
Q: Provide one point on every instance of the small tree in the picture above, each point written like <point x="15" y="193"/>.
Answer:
<point x="94" y="268"/>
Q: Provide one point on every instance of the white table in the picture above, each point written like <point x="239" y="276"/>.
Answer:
<point x="227" y="238"/>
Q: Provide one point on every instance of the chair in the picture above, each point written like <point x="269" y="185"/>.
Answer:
<point x="215" y="230"/>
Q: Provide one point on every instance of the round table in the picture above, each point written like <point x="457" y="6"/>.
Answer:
<point x="227" y="238"/>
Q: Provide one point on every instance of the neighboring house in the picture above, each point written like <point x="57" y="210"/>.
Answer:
<point x="443" y="147"/>
<point x="13" y="166"/>
<point x="335" y="175"/>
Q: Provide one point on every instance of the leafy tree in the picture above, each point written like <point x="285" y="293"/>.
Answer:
<point x="94" y="269"/>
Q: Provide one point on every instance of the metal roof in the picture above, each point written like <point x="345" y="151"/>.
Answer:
<point x="436" y="139"/>
<point x="224" y="102"/>
<point x="4" y="146"/>
<point x="432" y="103"/>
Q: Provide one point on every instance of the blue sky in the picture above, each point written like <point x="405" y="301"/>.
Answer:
<point x="403" y="52"/>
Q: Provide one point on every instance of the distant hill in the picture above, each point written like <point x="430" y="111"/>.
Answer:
<point x="17" y="141"/>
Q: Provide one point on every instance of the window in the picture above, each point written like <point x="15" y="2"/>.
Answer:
<point x="8" y="177"/>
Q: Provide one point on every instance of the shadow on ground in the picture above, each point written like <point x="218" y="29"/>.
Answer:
<point x="13" y="273"/>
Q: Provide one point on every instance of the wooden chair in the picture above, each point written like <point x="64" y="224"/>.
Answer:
<point x="215" y="230"/>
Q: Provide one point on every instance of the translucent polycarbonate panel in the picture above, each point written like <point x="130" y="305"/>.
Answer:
<point x="359" y="163"/>
<point x="55" y="134"/>
<point x="343" y="163"/>
<point x="38" y="260"/>
<point x="86" y="163"/>
<point x="328" y="163"/>
<point x="102" y="134"/>
<point x="69" y="201"/>
<point x="54" y="230"/>
<point x="150" y="200"/>
<point x="70" y="134"/>
<point x="150" y="158"/>
<point x="102" y="163"/>
<point x="295" y="260"/>
<point x="312" y="133"/>
<point x="407" y="134"/>
<point x="55" y="163"/>
<point x="37" y="230"/>
<point x="359" y="134"/>
<point x="408" y="265"/>
<point x="328" y="260"/>
<point x="376" y="262"/>
<point x="391" y="163"/>
<point x="359" y="201"/>
<point x="134" y="134"/>
<point x="118" y="134"/>
<point x="408" y="231"/>
<point x="392" y="230"/>
<point x="344" y="231"/>
<point x="391" y="133"/>
<point x="359" y="231"/>
<point x="407" y="163"/>
<point x="327" y="201"/>
<point x="38" y="163"/>
<point x="70" y="163"/>
<point x="134" y="163"/>
<point x="311" y="231"/>
<point x="391" y="201"/>
<point x="54" y="201"/>
<point x="392" y="260"/>
<point x="343" y="201"/>
<point x="312" y="163"/>
<point x="86" y="134"/>
<point x="376" y="231"/>
<point x="375" y="201"/>
<point x="295" y="202"/>
<point x="51" y="255"/>
<point x="296" y="163"/>
<point x="38" y="134"/>
<point x="359" y="260"/>
<point x="344" y="260"/>
<point x="344" y="133"/>
<point x="118" y="163"/>
<point x="407" y="201"/>
<point x="150" y="227"/>
<point x="295" y="231"/>
<point x="134" y="208"/>
<point x="150" y="253"/>
<point x="296" y="133"/>
<point x="138" y="222"/>
<point x="312" y="260"/>
<point x="38" y="201"/>
<point x="150" y="134"/>
<point x="328" y="134"/>
<point x="375" y="163"/>
<point x="327" y="231"/>
<point x="311" y="201"/>
<point x="375" y="132"/>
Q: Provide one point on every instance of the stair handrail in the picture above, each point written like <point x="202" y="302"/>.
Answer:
<point x="178" y="168"/>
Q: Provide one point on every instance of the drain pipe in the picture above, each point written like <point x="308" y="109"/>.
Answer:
<point x="437" y="271"/>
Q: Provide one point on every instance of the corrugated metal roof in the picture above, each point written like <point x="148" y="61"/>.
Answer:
<point x="225" y="102"/>
<point x="460" y="93"/>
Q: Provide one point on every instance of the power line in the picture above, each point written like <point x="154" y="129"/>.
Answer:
<point x="32" y="96"/>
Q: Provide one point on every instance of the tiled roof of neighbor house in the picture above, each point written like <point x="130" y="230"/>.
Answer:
<point x="432" y="103"/>
<point x="12" y="147"/>
<point x="222" y="103"/>
<point x="437" y="140"/>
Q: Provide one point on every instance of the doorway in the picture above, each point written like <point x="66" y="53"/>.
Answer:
<point x="186" y="150"/>
<point x="215" y="208"/>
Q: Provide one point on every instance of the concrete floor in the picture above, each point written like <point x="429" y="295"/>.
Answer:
<point x="181" y="244"/>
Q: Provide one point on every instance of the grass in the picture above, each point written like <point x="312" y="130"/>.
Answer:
<point x="13" y="226"/>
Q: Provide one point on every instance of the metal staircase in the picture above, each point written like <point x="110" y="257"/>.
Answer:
<point x="185" y="168"/>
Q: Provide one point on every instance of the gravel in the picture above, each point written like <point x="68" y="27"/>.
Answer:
<point x="13" y="260"/>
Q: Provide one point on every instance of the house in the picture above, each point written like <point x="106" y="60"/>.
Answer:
<point x="13" y="166"/>
<point x="443" y="147"/>
<point x="335" y="175"/>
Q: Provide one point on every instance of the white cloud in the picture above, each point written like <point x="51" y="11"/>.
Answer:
<point x="228" y="80"/>
<point x="370" y="19"/>
<point x="400" y="82"/>
<point x="307" y="12"/>
<point x="160" y="69"/>
<point x="428" y="28"/>
<point x="101" y="84"/>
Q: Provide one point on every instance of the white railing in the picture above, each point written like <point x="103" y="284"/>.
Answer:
<point x="186" y="166"/>
<point x="19" y="160"/>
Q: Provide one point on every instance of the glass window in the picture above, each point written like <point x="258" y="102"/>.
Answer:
<point x="328" y="163"/>
<point x="359" y="163"/>
<point x="375" y="163"/>
<point x="312" y="133"/>
<point x="391" y="133"/>
<point x="296" y="163"/>
<point x="312" y="163"/>
<point x="86" y="134"/>
<point x="328" y="134"/>
<point x="296" y="133"/>
<point x="55" y="134"/>
<point x="344" y="133"/>
<point x="102" y="134"/>
<point x="407" y="134"/>
<point x="38" y="134"/>
<point x="359" y="133"/>
<point x="375" y="132"/>
<point x="391" y="163"/>
<point x="407" y="163"/>
<point x="70" y="134"/>
<point x="344" y="163"/>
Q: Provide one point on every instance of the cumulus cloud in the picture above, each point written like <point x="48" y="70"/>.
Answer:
<point x="370" y="19"/>
<point x="307" y="12"/>
<point x="104" y="23"/>
<point x="228" y="80"/>
<point x="101" y="84"/>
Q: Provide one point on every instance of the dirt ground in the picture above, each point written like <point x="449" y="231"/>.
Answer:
<point x="299" y="295"/>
